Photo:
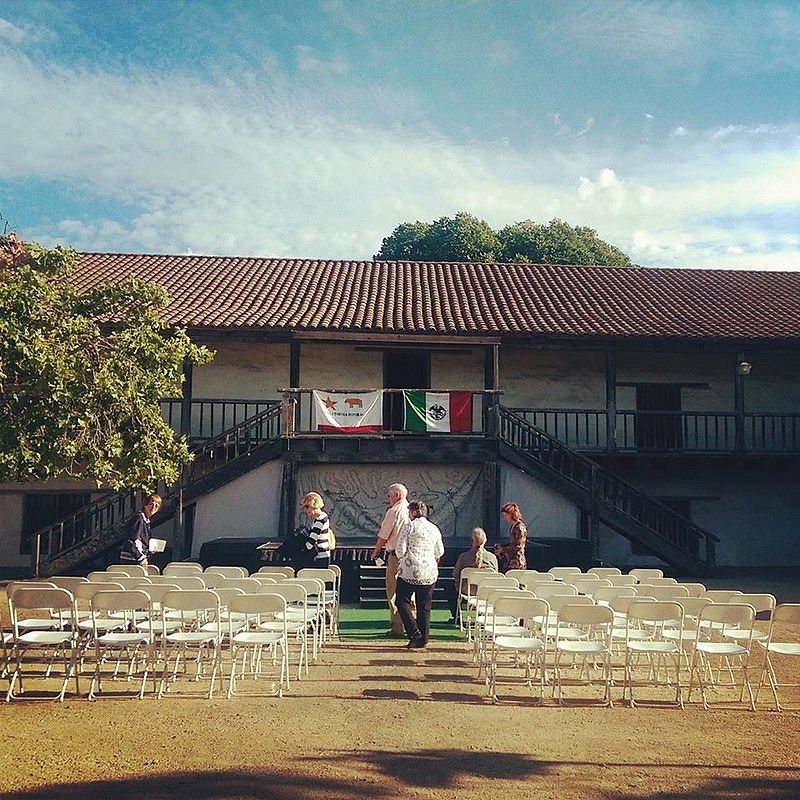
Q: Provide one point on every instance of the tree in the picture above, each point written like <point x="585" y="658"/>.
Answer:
<point x="466" y="238"/>
<point x="462" y="238"/>
<point x="82" y="374"/>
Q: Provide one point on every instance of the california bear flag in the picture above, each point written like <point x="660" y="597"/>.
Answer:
<point x="437" y="412"/>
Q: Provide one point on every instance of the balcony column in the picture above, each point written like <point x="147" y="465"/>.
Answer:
<point x="738" y="403"/>
<point x="294" y="383"/>
<point x="611" y="401"/>
<point x="491" y="380"/>
<point x="186" y="399"/>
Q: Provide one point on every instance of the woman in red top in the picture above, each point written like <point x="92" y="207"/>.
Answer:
<point x="512" y="555"/>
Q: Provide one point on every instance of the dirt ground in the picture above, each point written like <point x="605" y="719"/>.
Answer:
<point x="374" y="720"/>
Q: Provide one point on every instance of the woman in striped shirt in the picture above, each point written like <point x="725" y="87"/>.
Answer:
<point x="318" y="542"/>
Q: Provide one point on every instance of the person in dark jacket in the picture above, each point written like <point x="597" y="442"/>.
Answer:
<point x="136" y="546"/>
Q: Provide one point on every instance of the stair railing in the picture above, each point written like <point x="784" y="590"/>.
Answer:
<point x="112" y="511"/>
<point x="606" y="488"/>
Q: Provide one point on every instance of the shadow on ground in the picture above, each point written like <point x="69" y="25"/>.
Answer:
<point x="380" y="774"/>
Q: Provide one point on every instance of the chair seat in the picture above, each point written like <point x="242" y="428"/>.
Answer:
<point x="36" y="624"/>
<point x="101" y="624"/>
<point x="258" y="637"/>
<point x="157" y="626"/>
<point x="530" y="643"/>
<point x="743" y="635"/>
<point x="721" y="649"/>
<point x="46" y="638"/>
<point x="653" y="647"/>
<point x="191" y="637"/>
<point x="116" y="638"/>
<point x="784" y="648"/>
<point x="582" y="647"/>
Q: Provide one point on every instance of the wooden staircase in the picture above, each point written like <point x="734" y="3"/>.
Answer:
<point x="98" y="528"/>
<point x="605" y="497"/>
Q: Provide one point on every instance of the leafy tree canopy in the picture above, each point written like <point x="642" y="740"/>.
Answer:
<point x="81" y="374"/>
<point x="466" y="238"/>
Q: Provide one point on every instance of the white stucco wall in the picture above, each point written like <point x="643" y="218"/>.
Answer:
<point x="246" y="507"/>
<point x="243" y="370"/>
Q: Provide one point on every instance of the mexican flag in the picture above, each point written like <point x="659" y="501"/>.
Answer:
<point x="437" y="412"/>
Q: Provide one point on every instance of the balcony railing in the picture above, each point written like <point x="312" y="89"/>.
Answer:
<point x="210" y="417"/>
<point x="667" y="431"/>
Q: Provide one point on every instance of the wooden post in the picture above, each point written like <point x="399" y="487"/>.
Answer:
<point x="491" y="491"/>
<point x="738" y="404"/>
<point x="294" y="381"/>
<point x="611" y="401"/>
<point x="288" y="493"/>
<point x="594" y="516"/>
<point x="186" y="399"/>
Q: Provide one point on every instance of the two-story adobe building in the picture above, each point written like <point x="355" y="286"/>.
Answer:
<point x="653" y="412"/>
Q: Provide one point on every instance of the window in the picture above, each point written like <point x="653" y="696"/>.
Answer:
<point x="41" y="509"/>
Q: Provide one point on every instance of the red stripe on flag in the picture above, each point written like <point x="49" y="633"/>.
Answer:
<point x="460" y="412"/>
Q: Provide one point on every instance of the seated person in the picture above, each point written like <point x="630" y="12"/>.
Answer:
<point x="477" y="556"/>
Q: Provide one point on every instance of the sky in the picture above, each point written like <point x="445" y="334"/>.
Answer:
<point x="311" y="129"/>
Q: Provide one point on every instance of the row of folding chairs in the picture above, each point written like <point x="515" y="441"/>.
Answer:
<point x="709" y="641"/>
<point x="159" y="623"/>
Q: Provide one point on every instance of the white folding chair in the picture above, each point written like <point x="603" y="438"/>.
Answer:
<point x="668" y="592"/>
<point x="592" y="650"/>
<point x="780" y="647"/>
<point x="694" y="589"/>
<point x="725" y="652"/>
<point x="592" y="586"/>
<point x="330" y="579"/>
<point x="622" y="580"/>
<point x="252" y="642"/>
<point x="659" y="651"/>
<point x="295" y="617"/>
<point x="559" y="573"/>
<point x="643" y="574"/>
<point x="178" y="568"/>
<point x="604" y="572"/>
<point x="604" y="594"/>
<point x="121" y="645"/>
<point x="315" y="592"/>
<point x="194" y="606"/>
<point x="466" y="590"/>
<point x="131" y="570"/>
<point x="522" y="647"/>
<point x="662" y="581"/>
<point x="42" y="647"/>
<point x="227" y="572"/>
<point x="286" y="572"/>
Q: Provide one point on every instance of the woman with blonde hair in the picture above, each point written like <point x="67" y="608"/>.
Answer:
<point x="318" y="540"/>
<point x="477" y="556"/>
<point x="512" y="555"/>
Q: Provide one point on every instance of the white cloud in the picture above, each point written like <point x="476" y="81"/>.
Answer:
<point x="283" y="168"/>
<point x="308" y="61"/>
<point x="11" y="32"/>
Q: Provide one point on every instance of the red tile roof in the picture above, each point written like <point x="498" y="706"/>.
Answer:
<point x="462" y="299"/>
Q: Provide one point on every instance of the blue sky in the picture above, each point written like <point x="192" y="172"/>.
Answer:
<point x="311" y="129"/>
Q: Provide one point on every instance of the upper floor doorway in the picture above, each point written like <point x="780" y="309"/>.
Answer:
<point x="403" y="369"/>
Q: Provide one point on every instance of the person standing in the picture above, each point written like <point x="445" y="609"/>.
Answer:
<point x="477" y="556"/>
<point x="395" y="518"/>
<point x="419" y="548"/>
<point x="512" y="555"/>
<point x="318" y="541"/>
<point x="136" y="546"/>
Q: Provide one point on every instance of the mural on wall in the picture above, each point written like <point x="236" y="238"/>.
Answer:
<point x="355" y="495"/>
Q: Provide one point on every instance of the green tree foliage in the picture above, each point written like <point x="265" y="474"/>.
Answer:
<point x="81" y="374"/>
<point x="466" y="238"/>
<point x="462" y="238"/>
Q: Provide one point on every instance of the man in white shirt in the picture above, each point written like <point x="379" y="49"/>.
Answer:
<point x="419" y="548"/>
<point x="393" y="521"/>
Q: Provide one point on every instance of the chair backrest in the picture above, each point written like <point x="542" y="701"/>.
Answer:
<point x="521" y="574"/>
<point x="622" y="603"/>
<point x="131" y="570"/>
<point x="590" y="587"/>
<point x="673" y="592"/>
<point x="14" y="586"/>
<point x="604" y="572"/>
<point x="116" y="600"/>
<point x="49" y="597"/>
<point x="622" y="580"/>
<point x="191" y="600"/>
<point x="604" y="594"/>
<point x="257" y="604"/>
<point x="226" y="572"/>
<point x="102" y="576"/>
<point x="468" y="585"/>
<point x="128" y="582"/>
<point x="654" y="611"/>
<point x="695" y="589"/>
<point x="189" y="582"/>
<point x="247" y="585"/>
<point x="585" y="614"/>
<point x="558" y="601"/>
<point x="213" y="581"/>
<point x="178" y="568"/>
<point x="559" y="573"/>
<point x="692" y="606"/>
<point x="643" y="573"/>
<point x="656" y="581"/>
<point x="287" y="572"/>
<point x="548" y="590"/>
<point x="86" y="591"/>
<point x="580" y="576"/>
<point x="227" y="593"/>
<point x="740" y="614"/>
<point x="760" y="602"/>
<point x="266" y="580"/>
<point x="786" y="614"/>
<point x="292" y="593"/>
<point x="155" y="591"/>
<point x="722" y="595"/>
<point x="313" y="586"/>
<point x="522" y="606"/>
<point x="68" y="582"/>
<point x="327" y="576"/>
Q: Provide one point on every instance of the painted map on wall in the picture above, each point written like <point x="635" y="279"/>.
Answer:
<point x="355" y="495"/>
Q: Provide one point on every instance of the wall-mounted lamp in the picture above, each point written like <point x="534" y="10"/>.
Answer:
<point x="743" y="368"/>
